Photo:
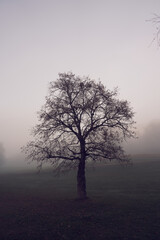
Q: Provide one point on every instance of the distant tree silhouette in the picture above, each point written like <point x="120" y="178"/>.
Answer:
<point x="2" y="154"/>
<point x="80" y="121"/>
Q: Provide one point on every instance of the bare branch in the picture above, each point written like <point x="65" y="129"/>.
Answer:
<point x="155" y="20"/>
<point x="81" y="120"/>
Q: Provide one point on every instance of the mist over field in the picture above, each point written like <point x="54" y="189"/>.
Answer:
<point x="147" y="142"/>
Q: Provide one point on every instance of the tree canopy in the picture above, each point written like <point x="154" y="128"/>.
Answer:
<point x="80" y="121"/>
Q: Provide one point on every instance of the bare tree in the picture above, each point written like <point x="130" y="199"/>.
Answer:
<point x="80" y="121"/>
<point x="156" y="22"/>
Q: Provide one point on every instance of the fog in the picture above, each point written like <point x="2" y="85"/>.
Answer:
<point x="106" y="40"/>
<point x="148" y="140"/>
<point x="146" y="143"/>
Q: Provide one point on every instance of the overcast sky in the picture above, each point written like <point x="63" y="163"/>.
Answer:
<point x="106" y="39"/>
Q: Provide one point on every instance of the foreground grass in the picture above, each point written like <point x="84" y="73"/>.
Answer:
<point x="124" y="204"/>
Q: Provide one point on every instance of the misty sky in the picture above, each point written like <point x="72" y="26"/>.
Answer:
<point x="106" y="39"/>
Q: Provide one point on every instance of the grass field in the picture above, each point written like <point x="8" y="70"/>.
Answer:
<point x="124" y="203"/>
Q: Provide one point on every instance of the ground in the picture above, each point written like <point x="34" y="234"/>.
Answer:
<point x="124" y="203"/>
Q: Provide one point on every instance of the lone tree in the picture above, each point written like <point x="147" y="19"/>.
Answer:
<point x="80" y="121"/>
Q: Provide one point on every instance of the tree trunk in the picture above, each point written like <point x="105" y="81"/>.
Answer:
<point x="81" y="179"/>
